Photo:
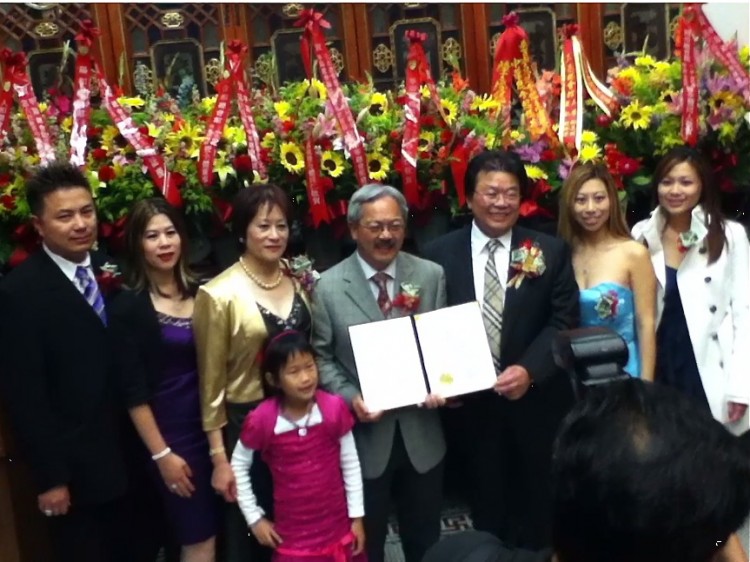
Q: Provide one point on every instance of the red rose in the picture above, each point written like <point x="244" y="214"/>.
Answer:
<point x="8" y="201"/>
<point x="548" y="155"/>
<point x="94" y="131"/>
<point x="243" y="164"/>
<point x="427" y="121"/>
<point x="395" y="135"/>
<point x="603" y="120"/>
<point x="4" y="179"/>
<point x="325" y="144"/>
<point x="99" y="154"/>
<point x="446" y="136"/>
<point x="106" y="174"/>
<point x="287" y="126"/>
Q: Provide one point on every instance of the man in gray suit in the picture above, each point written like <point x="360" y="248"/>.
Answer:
<point x="401" y="451"/>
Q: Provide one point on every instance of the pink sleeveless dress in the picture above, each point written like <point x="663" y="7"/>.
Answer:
<point x="310" y="509"/>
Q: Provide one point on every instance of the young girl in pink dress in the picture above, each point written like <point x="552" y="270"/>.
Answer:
<point x="305" y="437"/>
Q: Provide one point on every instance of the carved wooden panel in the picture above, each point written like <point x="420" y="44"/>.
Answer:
<point x="541" y="21"/>
<point x="631" y="27"/>
<point x="171" y="45"/>
<point x="275" y="41"/>
<point x="40" y="30"/>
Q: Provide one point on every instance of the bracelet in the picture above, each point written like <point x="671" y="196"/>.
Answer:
<point x="216" y="451"/>
<point x="161" y="455"/>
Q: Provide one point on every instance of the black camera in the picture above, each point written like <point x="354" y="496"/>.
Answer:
<point x="591" y="356"/>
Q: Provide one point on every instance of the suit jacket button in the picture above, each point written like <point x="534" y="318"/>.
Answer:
<point x="714" y="336"/>
<point x="702" y="250"/>
<point x="721" y="364"/>
<point x="707" y="279"/>
<point x="712" y="308"/>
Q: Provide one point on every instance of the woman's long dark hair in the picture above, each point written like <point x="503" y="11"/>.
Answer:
<point x="140" y="215"/>
<point x="709" y="198"/>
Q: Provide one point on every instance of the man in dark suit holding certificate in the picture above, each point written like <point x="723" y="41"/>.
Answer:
<point x="525" y="285"/>
<point x="401" y="451"/>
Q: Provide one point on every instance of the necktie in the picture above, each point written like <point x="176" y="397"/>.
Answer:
<point x="492" y="309"/>
<point x="91" y="292"/>
<point x="384" y="301"/>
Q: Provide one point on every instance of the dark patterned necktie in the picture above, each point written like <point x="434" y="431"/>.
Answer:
<point x="384" y="301"/>
<point x="492" y="309"/>
<point x="91" y="292"/>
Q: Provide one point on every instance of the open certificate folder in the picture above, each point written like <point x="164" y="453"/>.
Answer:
<point x="400" y="361"/>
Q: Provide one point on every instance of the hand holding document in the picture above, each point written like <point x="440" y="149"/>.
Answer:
<point x="444" y="352"/>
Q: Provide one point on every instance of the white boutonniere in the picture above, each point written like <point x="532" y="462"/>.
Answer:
<point x="301" y="268"/>
<point x="408" y="298"/>
<point x="686" y="240"/>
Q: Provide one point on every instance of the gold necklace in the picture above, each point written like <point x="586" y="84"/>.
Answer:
<point x="258" y="282"/>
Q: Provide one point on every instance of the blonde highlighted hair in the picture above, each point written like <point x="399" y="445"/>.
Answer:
<point x="567" y="227"/>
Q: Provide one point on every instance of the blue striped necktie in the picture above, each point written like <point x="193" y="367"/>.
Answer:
<point x="91" y="292"/>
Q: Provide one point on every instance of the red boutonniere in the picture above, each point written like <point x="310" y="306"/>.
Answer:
<point x="686" y="240"/>
<point x="528" y="261"/>
<point x="408" y="298"/>
<point x="109" y="278"/>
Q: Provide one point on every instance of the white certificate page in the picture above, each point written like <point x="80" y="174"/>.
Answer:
<point x="455" y="350"/>
<point x="387" y="358"/>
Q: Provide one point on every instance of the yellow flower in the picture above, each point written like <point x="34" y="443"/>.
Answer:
<point x="43" y="106"/>
<point x="67" y="124"/>
<point x="484" y="103"/>
<point x="630" y="73"/>
<point x="589" y="152"/>
<point x="646" y="61"/>
<point x="378" y="104"/>
<point x="108" y="137"/>
<point x="153" y="130"/>
<point x="292" y="158"/>
<point x="489" y="142"/>
<point x="378" y="166"/>
<point x="316" y="89"/>
<point x="425" y="91"/>
<point x="269" y="139"/>
<point x="726" y="99"/>
<point x="235" y="135"/>
<point x="636" y="116"/>
<point x="745" y="55"/>
<point x="667" y="96"/>
<point x="207" y="104"/>
<point x="187" y="137"/>
<point x="131" y="102"/>
<point x="589" y="137"/>
<point x="450" y="109"/>
<point x="282" y="109"/>
<point x="332" y="163"/>
<point x="517" y="136"/>
<point x="168" y="117"/>
<point x="535" y="172"/>
<point x="727" y="131"/>
<point x="426" y="140"/>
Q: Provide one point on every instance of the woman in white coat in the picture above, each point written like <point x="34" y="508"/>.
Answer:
<point x="702" y="266"/>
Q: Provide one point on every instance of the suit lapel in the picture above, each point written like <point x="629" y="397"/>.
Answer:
<point x="57" y="282"/>
<point x="404" y="274"/>
<point x="357" y="289"/>
<point x="464" y="268"/>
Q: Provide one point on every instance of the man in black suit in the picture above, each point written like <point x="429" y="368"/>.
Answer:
<point x="528" y="293"/>
<point x="55" y="374"/>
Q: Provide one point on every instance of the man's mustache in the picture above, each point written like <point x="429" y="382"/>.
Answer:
<point x="385" y="244"/>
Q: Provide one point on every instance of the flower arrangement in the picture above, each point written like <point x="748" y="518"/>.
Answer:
<point x="686" y="240"/>
<point x="301" y="268"/>
<point x="527" y="261"/>
<point x="606" y="306"/>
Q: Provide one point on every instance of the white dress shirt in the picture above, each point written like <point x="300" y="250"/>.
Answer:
<point x="242" y="460"/>
<point x="69" y="268"/>
<point x="369" y="271"/>
<point x="480" y="254"/>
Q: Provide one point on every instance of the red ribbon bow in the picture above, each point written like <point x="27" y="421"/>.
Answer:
<point x="310" y="19"/>
<point x="511" y="20"/>
<point x="237" y="47"/>
<point x="87" y="33"/>
<point x="569" y="30"/>
<point x="415" y="36"/>
<point x="14" y="62"/>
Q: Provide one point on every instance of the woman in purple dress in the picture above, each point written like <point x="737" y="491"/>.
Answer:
<point x="153" y="335"/>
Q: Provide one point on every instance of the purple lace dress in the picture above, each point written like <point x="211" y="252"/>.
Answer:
<point x="176" y="407"/>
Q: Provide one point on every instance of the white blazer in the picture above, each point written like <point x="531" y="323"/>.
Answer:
<point x="716" y="301"/>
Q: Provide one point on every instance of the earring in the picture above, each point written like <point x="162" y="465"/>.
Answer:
<point x="242" y="240"/>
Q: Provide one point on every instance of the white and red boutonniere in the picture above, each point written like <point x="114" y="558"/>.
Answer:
<point x="408" y="299"/>
<point x="606" y="306"/>
<point x="527" y="261"/>
<point x="686" y="240"/>
<point x="301" y="268"/>
<point x="109" y="278"/>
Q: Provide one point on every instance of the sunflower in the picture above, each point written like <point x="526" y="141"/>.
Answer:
<point x="292" y="158"/>
<point x="589" y="152"/>
<point x="269" y="139"/>
<point x="426" y="141"/>
<point x="378" y="104"/>
<point x="332" y="163"/>
<point x="188" y="137"/>
<point x="109" y="134"/>
<point x="316" y="89"/>
<point x="535" y="172"/>
<point x="484" y="103"/>
<point x="450" y="109"/>
<point x="723" y="98"/>
<point x="282" y="109"/>
<point x="589" y="137"/>
<point x="131" y="102"/>
<point x="636" y="116"/>
<point x="378" y="166"/>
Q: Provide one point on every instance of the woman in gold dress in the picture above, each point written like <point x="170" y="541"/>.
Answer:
<point x="235" y="314"/>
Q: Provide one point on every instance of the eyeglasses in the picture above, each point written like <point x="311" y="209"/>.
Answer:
<point x="493" y="195"/>
<point x="377" y="227"/>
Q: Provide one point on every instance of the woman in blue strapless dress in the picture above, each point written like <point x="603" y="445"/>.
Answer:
<point x="614" y="273"/>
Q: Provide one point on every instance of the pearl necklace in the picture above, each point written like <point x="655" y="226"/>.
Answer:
<point x="258" y="282"/>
